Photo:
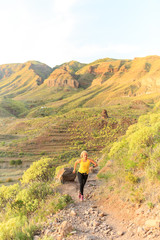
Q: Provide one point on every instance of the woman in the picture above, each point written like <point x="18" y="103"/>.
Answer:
<point x="83" y="171"/>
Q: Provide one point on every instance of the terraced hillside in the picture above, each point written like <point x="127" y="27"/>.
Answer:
<point x="61" y="138"/>
<point x="15" y="146"/>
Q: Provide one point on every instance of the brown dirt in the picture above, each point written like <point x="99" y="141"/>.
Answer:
<point x="120" y="216"/>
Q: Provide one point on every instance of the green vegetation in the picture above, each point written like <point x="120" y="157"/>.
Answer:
<point x="22" y="207"/>
<point x="136" y="155"/>
<point x="62" y="202"/>
<point x="147" y="67"/>
<point x="15" y="162"/>
<point x="12" y="107"/>
<point x="41" y="170"/>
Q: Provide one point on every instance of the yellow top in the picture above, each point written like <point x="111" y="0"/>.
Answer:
<point x="84" y="166"/>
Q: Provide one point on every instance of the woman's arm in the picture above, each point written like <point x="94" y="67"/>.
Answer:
<point x="75" y="165"/>
<point x="92" y="161"/>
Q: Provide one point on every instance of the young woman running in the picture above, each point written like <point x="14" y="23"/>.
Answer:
<point x="83" y="171"/>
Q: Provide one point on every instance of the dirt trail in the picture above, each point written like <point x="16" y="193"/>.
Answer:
<point x="90" y="219"/>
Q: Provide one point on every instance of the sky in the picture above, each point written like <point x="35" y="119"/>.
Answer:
<point x="58" y="31"/>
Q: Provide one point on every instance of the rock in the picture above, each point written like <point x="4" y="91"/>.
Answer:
<point x="36" y="237"/>
<point x="104" y="113"/>
<point x="86" y="212"/>
<point x="94" y="206"/>
<point x="107" y="231"/>
<point x="65" y="228"/>
<point x="102" y="214"/>
<point x="89" y="238"/>
<point x="152" y="223"/>
<point x="86" y="224"/>
<point x="65" y="174"/>
<point x="95" y="223"/>
<point x="73" y="232"/>
<point x="120" y="233"/>
<point x="73" y="213"/>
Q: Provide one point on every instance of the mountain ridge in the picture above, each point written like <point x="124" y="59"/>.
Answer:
<point x="116" y="77"/>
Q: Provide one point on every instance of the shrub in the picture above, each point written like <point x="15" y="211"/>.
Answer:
<point x="147" y="66"/>
<point x="42" y="170"/>
<point x="39" y="190"/>
<point x="137" y="196"/>
<point x="28" y="199"/>
<point x="21" y="154"/>
<point x="19" y="162"/>
<point x="137" y="153"/>
<point x="153" y="168"/>
<point x="62" y="202"/>
<point x="12" y="162"/>
<point x="15" y="162"/>
<point x="17" y="228"/>
<point x="8" y="194"/>
<point x="132" y="178"/>
<point x="24" y="202"/>
<point x="150" y="205"/>
<point x="3" y="143"/>
<point x="142" y="138"/>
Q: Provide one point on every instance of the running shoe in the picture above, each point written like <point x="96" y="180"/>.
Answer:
<point x="82" y="197"/>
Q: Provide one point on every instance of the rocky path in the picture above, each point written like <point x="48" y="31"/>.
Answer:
<point x="88" y="220"/>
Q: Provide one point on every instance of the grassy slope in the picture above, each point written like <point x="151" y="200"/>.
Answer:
<point x="134" y="173"/>
<point x="23" y="78"/>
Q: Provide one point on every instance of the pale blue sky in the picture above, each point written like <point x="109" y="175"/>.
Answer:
<point x="57" y="31"/>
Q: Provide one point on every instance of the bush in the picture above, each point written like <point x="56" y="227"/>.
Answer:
<point x="132" y="178"/>
<point x="19" y="162"/>
<point x="12" y="162"/>
<point x="29" y="199"/>
<point x="25" y="202"/>
<point x="17" y="228"/>
<point x="42" y="170"/>
<point x="134" y="148"/>
<point x="62" y="202"/>
<point x="8" y="194"/>
<point x="15" y="162"/>
<point x="147" y="66"/>
<point x="136" y="155"/>
<point x="39" y="190"/>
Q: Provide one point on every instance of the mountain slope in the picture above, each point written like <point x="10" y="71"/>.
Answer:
<point x="19" y="78"/>
<point x="110" y="79"/>
<point x="64" y="75"/>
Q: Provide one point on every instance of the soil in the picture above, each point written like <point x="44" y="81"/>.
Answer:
<point x="99" y="216"/>
<point x="116" y="221"/>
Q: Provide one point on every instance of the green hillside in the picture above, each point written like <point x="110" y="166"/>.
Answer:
<point x="135" y="168"/>
<point x="117" y="78"/>
<point x="17" y="79"/>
